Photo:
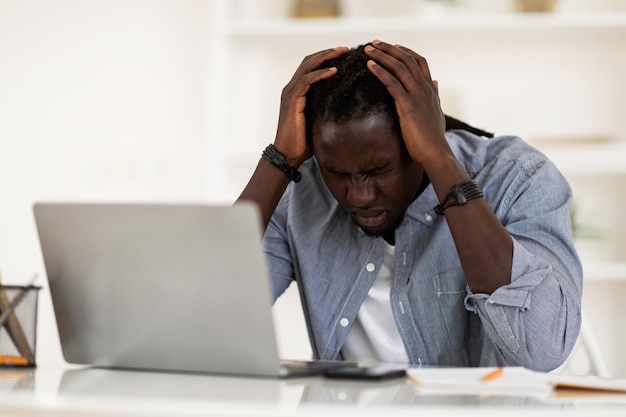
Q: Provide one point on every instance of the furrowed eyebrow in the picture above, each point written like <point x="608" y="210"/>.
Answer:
<point x="334" y="171"/>
<point x="368" y="171"/>
<point x="373" y="170"/>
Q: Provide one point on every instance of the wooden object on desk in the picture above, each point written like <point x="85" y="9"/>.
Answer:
<point x="14" y="328"/>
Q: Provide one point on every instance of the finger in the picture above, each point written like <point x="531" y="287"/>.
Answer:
<point x="398" y="62"/>
<point x="314" y="76"/>
<point x="308" y="73"/>
<point x="314" y="61"/>
<point x="406" y="55"/>
<point x="318" y="58"/>
<point x="295" y="93"/>
<point x="394" y="86"/>
<point x="421" y="61"/>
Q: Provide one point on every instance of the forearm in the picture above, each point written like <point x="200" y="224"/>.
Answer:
<point x="268" y="183"/>
<point x="265" y="188"/>
<point x="484" y="246"/>
<point x="534" y="321"/>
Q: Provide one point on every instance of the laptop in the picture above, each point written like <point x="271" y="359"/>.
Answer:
<point x="165" y="287"/>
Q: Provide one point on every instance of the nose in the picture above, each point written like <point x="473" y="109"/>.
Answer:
<point x="361" y="193"/>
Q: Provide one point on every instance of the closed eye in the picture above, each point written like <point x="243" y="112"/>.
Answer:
<point x="337" y="174"/>
<point x="373" y="171"/>
<point x="366" y="173"/>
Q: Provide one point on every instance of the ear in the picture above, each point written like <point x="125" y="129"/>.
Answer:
<point x="436" y="83"/>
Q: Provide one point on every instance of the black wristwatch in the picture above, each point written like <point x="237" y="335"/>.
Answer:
<point x="278" y="160"/>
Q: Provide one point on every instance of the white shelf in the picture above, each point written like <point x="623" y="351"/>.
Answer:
<point x="593" y="159"/>
<point x="608" y="24"/>
<point x="605" y="271"/>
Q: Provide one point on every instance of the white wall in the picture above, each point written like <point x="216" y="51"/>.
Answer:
<point x="99" y="100"/>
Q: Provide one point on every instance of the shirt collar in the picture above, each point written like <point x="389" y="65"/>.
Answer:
<point x="422" y="208"/>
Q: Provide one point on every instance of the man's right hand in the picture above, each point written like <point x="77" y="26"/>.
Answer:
<point x="291" y="133"/>
<point x="268" y="183"/>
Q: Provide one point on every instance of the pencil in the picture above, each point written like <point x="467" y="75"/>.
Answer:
<point x="493" y="374"/>
<point x="412" y="380"/>
<point x="13" y="360"/>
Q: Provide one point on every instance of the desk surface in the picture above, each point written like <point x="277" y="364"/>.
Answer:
<point x="98" y="392"/>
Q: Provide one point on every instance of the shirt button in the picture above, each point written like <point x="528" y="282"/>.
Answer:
<point x="370" y="267"/>
<point x="428" y="218"/>
<point x="491" y="301"/>
<point x="344" y="322"/>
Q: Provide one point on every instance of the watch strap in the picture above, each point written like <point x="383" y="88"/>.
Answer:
<point x="462" y="193"/>
<point x="278" y="160"/>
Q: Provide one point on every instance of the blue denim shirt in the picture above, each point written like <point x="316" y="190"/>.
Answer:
<point x="533" y="321"/>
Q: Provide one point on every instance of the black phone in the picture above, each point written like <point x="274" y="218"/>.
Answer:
<point x="365" y="372"/>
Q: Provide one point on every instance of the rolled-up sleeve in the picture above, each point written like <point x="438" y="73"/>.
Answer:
<point x="535" y="320"/>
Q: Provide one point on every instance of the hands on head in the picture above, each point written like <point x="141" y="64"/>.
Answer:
<point x="404" y="75"/>
<point x="369" y="110"/>
<point x="372" y="117"/>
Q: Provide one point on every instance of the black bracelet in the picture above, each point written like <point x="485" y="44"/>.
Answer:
<point x="462" y="193"/>
<point x="278" y="160"/>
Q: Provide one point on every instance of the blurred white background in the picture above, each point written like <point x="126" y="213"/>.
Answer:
<point x="174" y="100"/>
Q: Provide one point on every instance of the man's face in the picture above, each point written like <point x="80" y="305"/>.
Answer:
<point x="368" y="170"/>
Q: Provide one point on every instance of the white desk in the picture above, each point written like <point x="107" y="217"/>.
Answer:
<point x="96" y="392"/>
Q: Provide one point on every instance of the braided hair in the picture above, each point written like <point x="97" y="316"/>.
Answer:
<point x="354" y="92"/>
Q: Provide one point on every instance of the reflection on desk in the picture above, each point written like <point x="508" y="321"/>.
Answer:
<point x="155" y="385"/>
<point x="16" y="379"/>
<point x="93" y="391"/>
<point x="390" y="394"/>
<point x="308" y="391"/>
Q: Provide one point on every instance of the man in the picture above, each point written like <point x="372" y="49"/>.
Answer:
<point x="413" y="244"/>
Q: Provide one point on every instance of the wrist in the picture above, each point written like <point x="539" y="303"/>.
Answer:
<point x="459" y="195"/>
<point x="278" y="160"/>
<point x="292" y="160"/>
<point x="439" y="161"/>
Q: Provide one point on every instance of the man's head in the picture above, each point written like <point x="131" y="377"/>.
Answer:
<point x="352" y="93"/>
<point x="353" y="127"/>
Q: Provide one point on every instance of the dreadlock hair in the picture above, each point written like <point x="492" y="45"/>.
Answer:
<point x="354" y="92"/>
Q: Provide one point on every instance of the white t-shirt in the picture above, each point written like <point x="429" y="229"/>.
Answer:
<point x="374" y="336"/>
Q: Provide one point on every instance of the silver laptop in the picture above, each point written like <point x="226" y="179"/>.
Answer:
<point x="171" y="287"/>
